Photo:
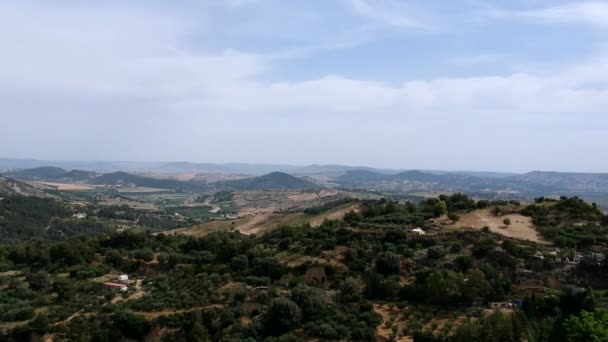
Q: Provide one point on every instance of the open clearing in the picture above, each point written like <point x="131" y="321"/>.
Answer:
<point x="262" y="222"/>
<point x="521" y="226"/>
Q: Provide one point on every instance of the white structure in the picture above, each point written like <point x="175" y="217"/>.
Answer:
<point x="418" y="231"/>
<point x="123" y="279"/>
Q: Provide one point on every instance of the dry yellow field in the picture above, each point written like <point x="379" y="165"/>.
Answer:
<point x="69" y="186"/>
<point x="521" y="227"/>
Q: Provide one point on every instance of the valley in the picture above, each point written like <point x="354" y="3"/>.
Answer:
<point x="353" y="254"/>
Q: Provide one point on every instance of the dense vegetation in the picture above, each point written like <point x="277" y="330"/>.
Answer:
<point x="364" y="278"/>
<point x="23" y="218"/>
<point x="569" y="222"/>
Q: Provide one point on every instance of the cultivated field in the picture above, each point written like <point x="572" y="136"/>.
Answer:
<point x="66" y="186"/>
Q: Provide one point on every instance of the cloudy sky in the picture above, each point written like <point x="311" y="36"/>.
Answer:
<point x="498" y="85"/>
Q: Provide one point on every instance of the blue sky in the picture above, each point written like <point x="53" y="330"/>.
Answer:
<point x="456" y="85"/>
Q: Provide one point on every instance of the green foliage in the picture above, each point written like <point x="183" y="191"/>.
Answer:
<point x="310" y="300"/>
<point x="388" y="263"/>
<point x="569" y="222"/>
<point x="441" y="208"/>
<point x="588" y="326"/>
<point x="282" y="316"/>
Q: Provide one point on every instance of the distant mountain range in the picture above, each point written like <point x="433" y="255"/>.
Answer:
<point x="532" y="183"/>
<point x="268" y="176"/>
<point x="274" y="180"/>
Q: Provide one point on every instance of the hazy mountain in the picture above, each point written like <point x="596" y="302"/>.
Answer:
<point x="38" y="173"/>
<point x="233" y="168"/>
<point x="578" y="182"/>
<point x="317" y="168"/>
<point x="532" y="184"/>
<point x="51" y="174"/>
<point x="127" y="179"/>
<point x="274" y="180"/>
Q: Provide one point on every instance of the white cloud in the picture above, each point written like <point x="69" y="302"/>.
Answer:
<point x="390" y="13"/>
<point x="591" y="13"/>
<point x="114" y="66"/>
<point x="144" y="57"/>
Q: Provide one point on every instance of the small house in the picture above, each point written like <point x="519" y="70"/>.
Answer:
<point x="418" y="231"/>
<point x="123" y="279"/>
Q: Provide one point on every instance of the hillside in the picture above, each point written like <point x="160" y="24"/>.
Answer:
<point x="52" y="173"/>
<point x="275" y="180"/>
<point x="578" y="182"/>
<point x="263" y="222"/>
<point x="38" y="173"/>
<point x="11" y="186"/>
<point x="131" y="180"/>
<point x="524" y="187"/>
<point x="368" y="275"/>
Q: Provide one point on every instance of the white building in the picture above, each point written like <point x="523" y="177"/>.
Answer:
<point x="123" y="279"/>
<point x="418" y="231"/>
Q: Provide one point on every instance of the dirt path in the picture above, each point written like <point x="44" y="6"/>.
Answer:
<point x="156" y="314"/>
<point x="254" y="225"/>
<point x="333" y="215"/>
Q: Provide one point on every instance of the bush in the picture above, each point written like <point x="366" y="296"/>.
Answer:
<point x="388" y="263"/>
<point x="435" y="252"/>
<point x="453" y="217"/>
<point x="507" y="221"/>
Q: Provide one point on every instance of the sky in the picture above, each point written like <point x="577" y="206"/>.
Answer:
<point x="496" y="85"/>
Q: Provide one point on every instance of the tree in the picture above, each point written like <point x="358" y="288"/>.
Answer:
<point x="463" y="262"/>
<point x="310" y="300"/>
<point x="588" y="326"/>
<point x="198" y="333"/>
<point x="440" y="208"/>
<point x="475" y="286"/>
<point x="388" y="263"/>
<point x="507" y="221"/>
<point x="435" y="252"/>
<point x="132" y="325"/>
<point x="40" y="323"/>
<point x="282" y="316"/>
<point x="39" y="281"/>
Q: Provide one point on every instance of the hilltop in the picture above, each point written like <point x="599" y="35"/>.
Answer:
<point x="274" y="180"/>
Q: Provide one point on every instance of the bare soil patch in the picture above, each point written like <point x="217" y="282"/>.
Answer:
<point x="521" y="227"/>
<point x="263" y="220"/>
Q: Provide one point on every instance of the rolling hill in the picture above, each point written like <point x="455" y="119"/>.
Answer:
<point x="274" y="180"/>
<point x="131" y="180"/>
<point x="579" y="182"/>
<point x="52" y="174"/>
